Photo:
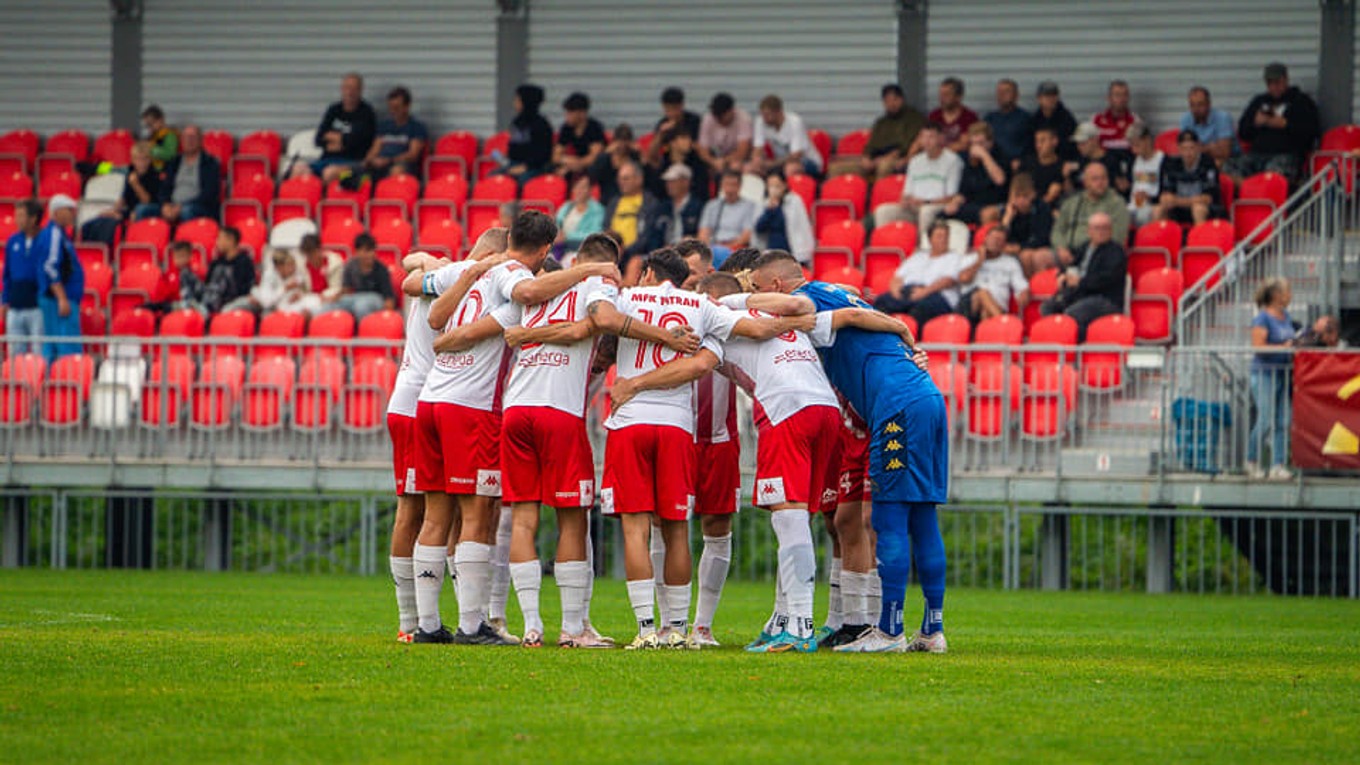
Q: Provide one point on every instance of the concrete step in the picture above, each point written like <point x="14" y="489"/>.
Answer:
<point x="1096" y="461"/>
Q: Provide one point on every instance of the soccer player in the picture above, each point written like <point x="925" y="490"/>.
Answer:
<point x="649" y="466"/>
<point x="459" y="424"/>
<point x="546" y="457"/>
<point x="908" y="456"/>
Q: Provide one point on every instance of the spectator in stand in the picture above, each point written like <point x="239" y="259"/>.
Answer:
<point x="1271" y="373"/>
<point x="191" y="185"/>
<point x="728" y="221"/>
<point x="531" y="137"/>
<point x="933" y="177"/>
<point x="325" y="269"/>
<point x="892" y="139"/>
<point x="983" y="185"/>
<point x="680" y="150"/>
<point x="952" y="116"/>
<point x="926" y="284"/>
<point x="285" y="287"/>
<point x="1092" y="285"/>
<point x="61" y="279"/>
<point x="160" y="137"/>
<point x="346" y="131"/>
<point x="1029" y="224"/>
<point x="679" y="212"/>
<point x="1054" y="115"/>
<point x="140" y="192"/>
<point x="1281" y="125"/>
<point x="231" y="276"/>
<point x="401" y="140"/>
<point x="1115" y="121"/>
<point x="787" y="138"/>
<point x="622" y="150"/>
<point x="1011" y="126"/>
<point x="366" y="284"/>
<point x="1325" y="333"/>
<point x="23" y="318"/>
<point x="1145" y="174"/>
<point x="1045" y="165"/>
<point x="178" y="284"/>
<point x="725" y="135"/>
<point x="1213" y="126"/>
<point x="673" y="115"/>
<point x="1189" y="184"/>
<point x="578" y="217"/>
<point x="580" y="140"/>
<point x="783" y="224"/>
<point x="1070" y="229"/>
<point x="1089" y="151"/>
<point x="631" y="214"/>
<point x="992" y="280"/>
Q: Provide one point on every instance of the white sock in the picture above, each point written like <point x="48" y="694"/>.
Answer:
<point x="835" y="617"/>
<point x="590" y="580"/>
<point x="873" y="597"/>
<point x="452" y="569"/>
<point x="797" y="567"/>
<point x="779" y="618"/>
<point x="713" y="565"/>
<point x="474" y="584"/>
<point x="641" y="594"/>
<point x="404" y="580"/>
<point x="500" y="567"/>
<point x="572" y="578"/>
<point x="427" y="563"/>
<point x="854" y="585"/>
<point x="528" y="579"/>
<point x="677" y="601"/>
<point x="657" y="547"/>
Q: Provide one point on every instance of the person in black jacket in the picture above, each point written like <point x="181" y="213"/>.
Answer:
<point x="191" y="185"/>
<point x="231" y="275"/>
<point x="1281" y="125"/>
<point x="346" y="131"/>
<point x="1093" y="286"/>
<point x="1052" y="114"/>
<point x="531" y="136"/>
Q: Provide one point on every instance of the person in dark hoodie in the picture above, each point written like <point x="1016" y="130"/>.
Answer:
<point x="346" y="131"/>
<point x="1281" y="125"/>
<point x="1053" y="115"/>
<point x="531" y="136"/>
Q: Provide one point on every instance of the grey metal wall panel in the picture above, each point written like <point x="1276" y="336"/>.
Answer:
<point x="1161" y="47"/>
<point x="826" y="60"/>
<point x="244" y="65"/>
<point x="55" y="65"/>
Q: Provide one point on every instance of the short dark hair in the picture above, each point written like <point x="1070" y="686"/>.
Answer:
<point x="550" y="265"/>
<point x="232" y="233"/>
<point x="937" y="127"/>
<point x="1187" y="135"/>
<point x="33" y="208"/>
<point x="672" y="96"/>
<point x="309" y="242"/>
<point x="1117" y="84"/>
<point x="576" y="102"/>
<point x="691" y="246"/>
<point x="1047" y="129"/>
<point x="532" y="230"/>
<point x="721" y="104"/>
<point x="1200" y="89"/>
<point x="729" y="173"/>
<point x="1010" y="82"/>
<point x="722" y="283"/>
<point x="365" y="241"/>
<point x="740" y="260"/>
<point x="667" y="265"/>
<point x="154" y="112"/>
<point x="179" y="245"/>
<point x="954" y="83"/>
<point x="891" y="87"/>
<point x="598" y="248"/>
<point x="772" y="102"/>
<point x="400" y="92"/>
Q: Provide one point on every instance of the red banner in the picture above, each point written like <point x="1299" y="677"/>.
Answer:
<point x="1326" y="426"/>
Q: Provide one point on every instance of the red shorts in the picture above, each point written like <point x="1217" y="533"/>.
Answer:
<point x="458" y="449"/>
<point x="402" y="429"/>
<point x="854" y="483"/>
<point x="546" y="457"/>
<point x="649" y="468"/>
<point x="718" y="483"/>
<point x="799" y="460"/>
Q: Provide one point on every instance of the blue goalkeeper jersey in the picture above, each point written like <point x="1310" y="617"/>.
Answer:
<point x="873" y="370"/>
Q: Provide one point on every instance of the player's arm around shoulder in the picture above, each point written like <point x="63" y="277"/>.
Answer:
<point x="605" y="318"/>
<point x="780" y="304"/>
<point x="462" y="338"/>
<point x="446" y="300"/>
<point x="871" y="320"/>
<point x="562" y="333"/>
<point x="682" y="371"/>
<point x="545" y="287"/>
<point x="767" y="328"/>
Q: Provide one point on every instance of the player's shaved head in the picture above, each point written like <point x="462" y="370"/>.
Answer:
<point x="492" y="241"/>
<point x="598" y="248"/>
<point x="665" y="265"/>
<point x="776" y="271"/>
<point x="719" y="284"/>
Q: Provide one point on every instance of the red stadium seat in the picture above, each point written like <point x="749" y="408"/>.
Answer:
<point x="253" y="236"/>
<point x="805" y="186"/>
<point x="92" y="252"/>
<point x="1166" y="142"/>
<point x="263" y="145"/>
<point x="114" y="147"/>
<point x="842" y="199"/>
<point x="230" y="324"/>
<point x="453" y="153"/>
<point x="847" y="276"/>
<point x="949" y="329"/>
<point x="135" y="286"/>
<point x="23" y="145"/>
<point x="1160" y="235"/>
<point x="215" y="394"/>
<point x="1058" y="329"/>
<point x="990" y="387"/>
<point x="822" y="142"/>
<point x="847" y="234"/>
<point x="7" y="225"/>
<point x="381" y="325"/>
<point x="1153" y="307"/>
<point x="287" y="325"/>
<point x="952" y="381"/>
<point x="67" y="391"/>
<point x="74" y="144"/>
<point x="900" y="234"/>
<point x="880" y="264"/>
<point x="166" y="391"/>
<point x="16" y="185"/>
<point x="999" y="330"/>
<point x="236" y="210"/>
<point x="220" y="145"/>
<point x="826" y="260"/>
<point x="448" y="188"/>
<point x="852" y="144"/>
<point x="393" y="232"/>
<point x="298" y="198"/>
<point x="199" y="231"/>
<point x="152" y="231"/>
<point x="317" y="392"/>
<point x="444" y="233"/>
<point x="98" y="283"/>
<point x="20" y="380"/>
<point x="981" y="234"/>
<point x="399" y="188"/>
<point x="65" y="182"/>
<point x="92" y="324"/>
<point x="339" y="235"/>
<point x="499" y="142"/>
<point x="1047" y="401"/>
<point x="183" y="323"/>
<point x="398" y="276"/>
<point x="365" y="398"/>
<point x="549" y="188"/>
<point x="1260" y="195"/>
<point x="1104" y="370"/>
<point x="889" y="189"/>
<point x="381" y="212"/>
<point x="359" y="196"/>
<point x="268" y="389"/>
<point x="258" y="188"/>
<point x="1207" y="244"/>
<point x="1042" y="285"/>
<point x="910" y="321"/>
<point x="331" y="211"/>
<point x="337" y="326"/>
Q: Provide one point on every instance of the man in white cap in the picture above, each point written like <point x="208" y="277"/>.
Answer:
<point x="61" y="280"/>
<point x="678" y="214"/>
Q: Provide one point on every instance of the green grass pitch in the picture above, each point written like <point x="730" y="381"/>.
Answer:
<point x="186" y="668"/>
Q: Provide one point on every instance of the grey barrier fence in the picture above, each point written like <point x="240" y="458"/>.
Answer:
<point x="1006" y="546"/>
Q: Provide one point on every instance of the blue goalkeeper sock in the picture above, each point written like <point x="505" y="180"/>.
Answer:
<point x="927" y="547"/>
<point x="890" y="522"/>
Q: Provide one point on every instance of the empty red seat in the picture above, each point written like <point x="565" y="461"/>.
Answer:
<point x="846" y="234"/>
<point x="1206" y="244"/>
<point x="1047" y="400"/>
<point x="220" y="145"/>
<point x="75" y="144"/>
<point x="483" y="209"/>
<point x="23" y="145"/>
<point x="280" y="325"/>
<point x="358" y="195"/>
<point x="93" y="324"/>
<point x="498" y="142"/>
<point x="1259" y="197"/>
<point x="549" y="188"/>
<point x="135" y="287"/>
<point x="114" y="147"/>
<point x="16" y="185"/>
<point x="1042" y="286"/>
<point x="820" y="140"/>
<point x="166" y="391"/>
<point x="268" y="389"/>
<point x="67" y="391"/>
<point x="365" y="398"/>
<point x="199" y="231"/>
<point x="336" y="326"/>
<point x="98" y="283"/>
<point x="880" y="265"/>
<point x="1156" y="299"/>
<point x="21" y="378"/>
<point x="340" y="235"/>
<point x="298" y="198"/>
<point x="827" y="260"/>
<point x="92" y="252"/>
<point x="253" y="236"/>
<point x="886" y="190"/>
<point x="853" y="143"/>
<point x="393" y="232"/>
<point x="65" y="182"/>
<point x="447" y="188"/>
<point x="805" y="186"/>
<point x="842" y="199"/>
<point x="949" y="329"/>
<point x="215" y="394"/>
<point x="226" y="325"/>
<point x="1104" y="370"/>
<point x="445" y="234"/>
<point x="1004" y="330"/>
<point x="1058" y="329"/>
<point x="318" y="391"/>
<point x="135" y="322"/>
<point x="184" y="323"/>
<point x="380" y="325"/>
<point x="454" y="153"/>
<point x="846" y="276"/>
<point x="993" y="394"/>
<point x="262" y="144"/>
<point x="952" y="381"/>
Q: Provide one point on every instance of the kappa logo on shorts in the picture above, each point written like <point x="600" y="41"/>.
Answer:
<point x="892" y="427"/>
<point x="489" y="483"/>
<point x="893" y="445"/>
<point x="607" y="501"/>
<point x="770" y="491"/>
<point x="894" y="464"/>
<point x="587" y="493"/>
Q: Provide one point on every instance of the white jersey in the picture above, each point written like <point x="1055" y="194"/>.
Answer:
<point x="783" y="374"/>
<point x="556" y="375"/>
<point x="416" y="359"/>
<point x="665" y="306"/>
<point x="475" y="378"/>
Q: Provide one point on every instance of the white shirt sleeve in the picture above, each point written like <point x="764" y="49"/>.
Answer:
<point x="822" y="334"/>
<point x="736" y="301"/>
<point x="798" y="138"/>
<point x="509" y="276"/>
<point x="966" y="262"/>
<point x="718" y="321"/>
<point x="758" y="139"/>
<point x="508" y="315"/>
<point x="605" y="292"/>
<point x="1018" y="281"/>
<point x="438" y="281"/>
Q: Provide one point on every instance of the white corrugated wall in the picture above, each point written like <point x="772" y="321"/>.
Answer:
<point x="55" y="65"/>
<point x="1161" y="47"/>
<point x="827" y="60"/>
<point x="245" y="65"/>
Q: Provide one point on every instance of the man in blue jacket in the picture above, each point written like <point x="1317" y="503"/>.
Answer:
<point x="23" y="319"/>
<point x="61" y="280"/>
